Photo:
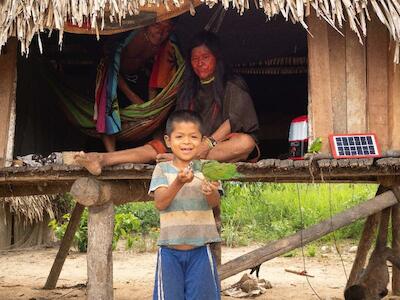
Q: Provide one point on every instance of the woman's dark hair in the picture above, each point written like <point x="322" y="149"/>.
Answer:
<point x="192" y="83"/>
<point x="183" y="116"/>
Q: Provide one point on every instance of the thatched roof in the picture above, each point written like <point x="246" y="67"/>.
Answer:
<point x="27" y="18"/>
<point x="30" y="209"/>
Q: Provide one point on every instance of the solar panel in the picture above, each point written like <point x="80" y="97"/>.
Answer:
<point x="354" y="145"/>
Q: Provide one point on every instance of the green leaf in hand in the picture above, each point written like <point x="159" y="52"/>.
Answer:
<point x="214" y="170"/>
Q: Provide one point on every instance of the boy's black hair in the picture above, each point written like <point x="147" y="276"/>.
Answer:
<point x="183" y="116"/>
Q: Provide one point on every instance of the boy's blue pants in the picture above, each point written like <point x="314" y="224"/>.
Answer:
<point x="186" y="275"/>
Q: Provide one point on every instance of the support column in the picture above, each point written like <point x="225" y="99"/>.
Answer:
<point x="319" y="85"/>
<point x="8" y="85"/>
<point x="366" y="240"/>
<point x="216" y="248"/>
<point x="99" y="254"/>
<point x="396" y="242"/>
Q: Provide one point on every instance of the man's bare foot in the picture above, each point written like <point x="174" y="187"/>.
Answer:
<point x="164" y="157"/>
<point x="91" y="161"/>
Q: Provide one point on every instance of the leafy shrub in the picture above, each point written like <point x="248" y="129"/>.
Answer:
<point x="125" y="225"/>
<point x="80" y="238"/>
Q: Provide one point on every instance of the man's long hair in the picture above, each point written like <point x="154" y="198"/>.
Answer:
<point x="191" y="83"/>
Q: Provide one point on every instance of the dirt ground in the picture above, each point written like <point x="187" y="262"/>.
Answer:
<point x="24" y="272"/>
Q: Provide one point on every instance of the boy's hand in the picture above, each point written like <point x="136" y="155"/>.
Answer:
<point x="209" y="187"/>
<point x="185" y="176"/>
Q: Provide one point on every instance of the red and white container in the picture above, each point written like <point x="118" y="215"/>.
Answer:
<point x="298" y="137"/>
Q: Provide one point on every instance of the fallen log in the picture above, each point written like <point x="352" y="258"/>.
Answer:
<point x="89" y="191"/>
<point x="276" y="248"/>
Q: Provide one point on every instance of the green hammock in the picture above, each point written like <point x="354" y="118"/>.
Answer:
<point x="138" y="120"/>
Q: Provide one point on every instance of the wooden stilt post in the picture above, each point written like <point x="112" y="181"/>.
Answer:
<point x="99" y="255"/>
<point x="365" y="243"/>
<point x="396" y="244"/>
<point x="64" y="247"/>
<point x="216" y="247"/>
<point x="367" y="237"/>
<point x="100" y="197"/>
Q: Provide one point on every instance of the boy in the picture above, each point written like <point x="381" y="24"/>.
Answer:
<point x="185" y="266"/>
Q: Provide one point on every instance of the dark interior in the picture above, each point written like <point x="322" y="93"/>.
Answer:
<point x="249" y="40"/>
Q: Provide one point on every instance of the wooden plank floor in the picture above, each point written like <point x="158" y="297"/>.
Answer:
<point x="50" y="179"/>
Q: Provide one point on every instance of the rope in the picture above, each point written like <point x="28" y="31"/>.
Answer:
<point x="301" y="240"/>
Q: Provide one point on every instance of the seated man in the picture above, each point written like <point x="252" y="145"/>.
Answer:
<point x="125" y="68"/>
<point x="220" y="98"/>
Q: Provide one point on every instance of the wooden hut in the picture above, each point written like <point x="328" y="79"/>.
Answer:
<point x="352" y="83"/>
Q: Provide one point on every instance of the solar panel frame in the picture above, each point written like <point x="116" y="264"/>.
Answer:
<point x="354" y="145"/>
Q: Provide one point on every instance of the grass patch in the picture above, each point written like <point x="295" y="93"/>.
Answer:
<point x="261" y="212"/>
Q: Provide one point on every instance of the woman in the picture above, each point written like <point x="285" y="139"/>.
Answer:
<point x="220" y="98"/>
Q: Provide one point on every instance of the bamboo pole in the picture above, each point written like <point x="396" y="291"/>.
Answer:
<point x="276" y="248"/>
<point x="64" y="247"/>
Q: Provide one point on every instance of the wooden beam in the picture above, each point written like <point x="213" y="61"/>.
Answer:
<point x="66" y="243"/>
<point x="396" y="243"/>
<point x="377" y="81"/>
<point x="99" y="252"/>
<point x="276" y="248"/>
<point x="8" y="84"/>
<point x="356" y="90"/>
<point x="319" y="85"/>
<point x="89" y="191"/>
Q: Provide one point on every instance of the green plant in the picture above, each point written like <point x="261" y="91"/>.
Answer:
<point x="311" y="250"/>
<point x="124" y="225"/>
<point x="145" y="212"/>
<point x="80" y="238"/>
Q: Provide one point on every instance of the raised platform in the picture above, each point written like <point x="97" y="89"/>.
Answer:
<point x="18" y="181"/>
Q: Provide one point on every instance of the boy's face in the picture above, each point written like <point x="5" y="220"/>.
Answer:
<point x="184" y="140"/>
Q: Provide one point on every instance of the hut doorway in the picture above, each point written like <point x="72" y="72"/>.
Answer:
<point x="272" y="57"/>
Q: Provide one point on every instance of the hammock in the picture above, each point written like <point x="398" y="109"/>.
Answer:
<point x="138" y="120"/>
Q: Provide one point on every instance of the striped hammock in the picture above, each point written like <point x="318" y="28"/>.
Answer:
<point x="138" y="120"/>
